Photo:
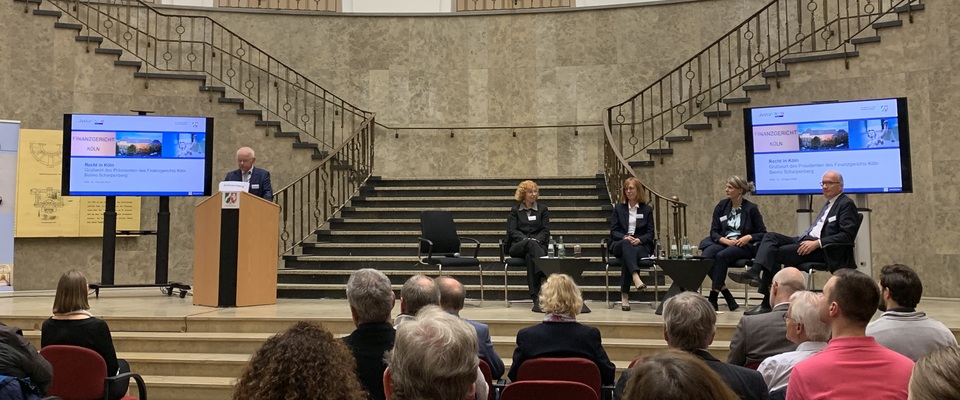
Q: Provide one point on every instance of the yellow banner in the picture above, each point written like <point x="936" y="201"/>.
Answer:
<point x="40" y="209"/>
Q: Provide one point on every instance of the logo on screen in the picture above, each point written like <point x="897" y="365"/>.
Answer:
<point x="195" y="124"/>
<point x="884" y="108"/>
<point x="100" y="122"/>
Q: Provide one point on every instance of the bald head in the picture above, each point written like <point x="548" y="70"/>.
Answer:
<point x="452" y="295"/>
<point x="245" y="158"/>
<point x="785" y="283"/>
<point x="831" y="184"/>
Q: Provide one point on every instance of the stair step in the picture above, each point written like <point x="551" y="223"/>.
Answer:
<point x="267" y="123"/>
<point x="258" y="113"/>
<point x="287" y="134"/>
<point x="887" y="24"/>
<point x="660" y="152"/>
<point x="736" y="100"/>
<point x="88" y="39"/>
<point x="820" y="57"/>
<point x="751" y="88"/>
<point x="230" y="100"/>
<point x="320" y="155"/>
<point x="674" y="139"/>
<point x="868" y="39"/>
<point x="162" y="387"/>
<point x="126" y="63"/>
<point x="220" y="89"/>
<point x="29" y="1"/>
<point x="112" y="52"/>
<point x="163" y="75"/>
<point x="909" y="7"/>
<point x="65" y="25"/>
<point x="776" y="74"/>
<point x="482" y="209"/>
<point x="49" y="13"/>
<point x="305" y="145"/>
<point x="642" y="163"/>
<point x="716" y="114"/>
<point x="698" y="127"/>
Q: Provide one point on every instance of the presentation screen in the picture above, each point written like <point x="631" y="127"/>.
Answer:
<point x="788" y="148"/>
<point x="136" y="155"/>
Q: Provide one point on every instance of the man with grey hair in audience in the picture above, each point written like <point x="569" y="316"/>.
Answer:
<point x="763" y="335"/>
<point x="371" y="302"/>
<point x="804" y="328"/>
<point x="434" y="358"/>
<point x="417" y="292"/>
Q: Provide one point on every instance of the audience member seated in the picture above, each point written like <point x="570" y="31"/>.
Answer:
<point x="560" y="335"/>
<point x="72" y="325"/>
<point x="434" y="358"/>
<point x="631" y="235"/>
<point x="853" y="366"/>
<point x="836" y="223"/>
<point x="528" y="230"/>
<point x="452" y="295"/>
<point x="804" y="328"/>
<point x="19" y="359"/>
<point x="304" y="362"/>
<point x="371" y="301"/>
<point x="675" y="375"/>
<point x="901" y="327"/>
<point x="760" y="336"/>
<point x="735" y="233"/>
<point x="936" y="376"/>
<point x="417" y="292"/>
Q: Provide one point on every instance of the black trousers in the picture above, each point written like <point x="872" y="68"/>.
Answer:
<point x="530" y="250"/>
<point x="777" y="250"/>
<point x="723" y="256"/>
<point x="629" y="256"/>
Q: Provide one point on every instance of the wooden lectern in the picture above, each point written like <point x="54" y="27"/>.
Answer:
<point x="236" y="236"/>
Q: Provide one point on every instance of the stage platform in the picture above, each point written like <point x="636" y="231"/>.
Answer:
<point x="187" y="351"/>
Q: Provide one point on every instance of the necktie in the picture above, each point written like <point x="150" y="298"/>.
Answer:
<point x="817" y="221"/>
<point x="246" y="176"/>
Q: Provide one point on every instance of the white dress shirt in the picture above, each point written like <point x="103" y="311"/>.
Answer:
<point x="776" y="370"/>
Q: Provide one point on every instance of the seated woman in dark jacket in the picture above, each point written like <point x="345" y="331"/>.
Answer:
<point x="560" y="335"/>
<point x="528" y="229"/>
<point x="631" y="234"/>
<point x="73" y="325"/>
<point x="735" y="234"/>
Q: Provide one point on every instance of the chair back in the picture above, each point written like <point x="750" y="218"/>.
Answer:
<point x="438" y="227"/>
<point x="570" y="369"/>
<point x="488" y="377"/>
<point x="78" y="372"/>
<point x="545" y="389"/>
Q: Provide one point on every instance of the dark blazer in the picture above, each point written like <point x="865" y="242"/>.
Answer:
<point x="841" y="227"/>
<point x="18" y="358"/>
<point x="760" y="336"/>
<point x="486" y="349"/>
<point x="620" y="223"/>
<point x="562" y="339"/>
<point x="747" y="383"/>
<point x="751" y="223"/>
<point x="368" y="343"/>
<point x="259" y="182"/>
<point x="519" y="225"/>
<point x="92" y="333"/>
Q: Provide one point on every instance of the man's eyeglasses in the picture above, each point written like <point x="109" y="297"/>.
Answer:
<point x="828" y="183"/>
<point x="786" y="317"/>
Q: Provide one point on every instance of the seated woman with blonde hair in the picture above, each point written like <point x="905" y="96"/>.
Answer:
<point x="560" y="335"/>
<point x="528" y="229"/>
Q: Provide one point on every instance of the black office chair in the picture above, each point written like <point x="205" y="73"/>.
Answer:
<point x="744" y="263"/>
<point x="508" y="262"/>
<point x="609" y="261"/>
<point x="828" y="264"/>
<point x="441" y="246"/>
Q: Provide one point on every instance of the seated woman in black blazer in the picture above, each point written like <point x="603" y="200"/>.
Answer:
<point x="73" y="325"/>
<point x="735" y="234"/>
<point x="560" y="335"/>
<point x="528" y="229"/>
<point x="631" y="232"/>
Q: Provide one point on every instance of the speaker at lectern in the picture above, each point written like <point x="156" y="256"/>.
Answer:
<point x="235" y="243"/>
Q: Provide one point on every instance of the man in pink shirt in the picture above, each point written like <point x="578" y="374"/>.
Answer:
<point x="853" y="366"/>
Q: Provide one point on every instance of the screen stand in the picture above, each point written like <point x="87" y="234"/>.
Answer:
<point x="109" y="256"/>
<point x="804" y="213"/>
<point x="863" y="248"/>
<point x="163" y="241"/>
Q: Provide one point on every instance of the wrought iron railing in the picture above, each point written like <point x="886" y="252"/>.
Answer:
<point x="199" y="45"/>
<point x="299" y="5"/>
<point x="490" y="5"/>
<point x="310" y="201"/>
<point x="781" y="29"/>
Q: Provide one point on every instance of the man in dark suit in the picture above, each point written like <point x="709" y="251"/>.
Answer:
<point x="452" y="296"/>
<point x="371" y="301"/>
<point x="760" y="336"/>
<point x="836" y="223"/>
<point x="258" y="178"/>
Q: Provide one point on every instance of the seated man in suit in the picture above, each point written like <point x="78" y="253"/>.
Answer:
<point x="417" y="292"/>
<point x="371" y="300"/>
<point x="258" y="178"/>
<point x="760" y="336"/>
<point x="902" y="328"/>
<point x="452" y="296"/>
<point x="836" y="223"/>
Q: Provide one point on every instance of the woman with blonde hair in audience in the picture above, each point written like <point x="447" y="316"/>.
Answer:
<point x="631" y="235"/>
<point x="936" y="376"/>
<point x="560" y="335"/>
<point x="304" y="362"/>
<point x="528" y="230"/>
<point x="675" y="375"/>
<point x="72" y="325"/>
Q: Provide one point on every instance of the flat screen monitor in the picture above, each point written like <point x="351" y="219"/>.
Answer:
<point x="788" y="148"/>
<point x="137" y="155"/>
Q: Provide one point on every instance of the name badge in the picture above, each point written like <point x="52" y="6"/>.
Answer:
<point x="723" y="218"/>
<point x="831" y="219"/>
<point x="531" y="218"/>
<point x="639" y="216"/>
<point x="255" y="186"/>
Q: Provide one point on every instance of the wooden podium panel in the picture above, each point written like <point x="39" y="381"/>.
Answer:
<point x="235" y="252"/>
